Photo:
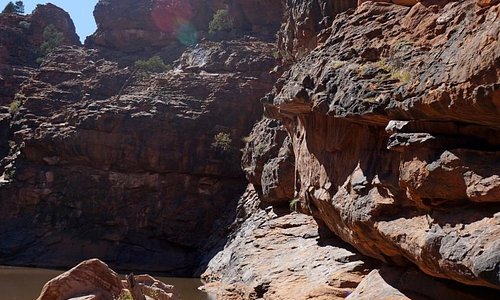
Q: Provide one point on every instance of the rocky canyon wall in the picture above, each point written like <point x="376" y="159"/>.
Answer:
<point x="106" y="162"/>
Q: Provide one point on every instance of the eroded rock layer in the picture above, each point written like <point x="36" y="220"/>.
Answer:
<point x="395" y="129"/>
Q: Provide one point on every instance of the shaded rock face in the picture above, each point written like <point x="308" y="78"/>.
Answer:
<point x="20" y="39"/>
<point x="304" y="22"/>
<point x="117" y="170"/>
<point x="268" y="162"/>
<point x="395" y="133"/>
<point x="93" y="279"/>
<point x="132" y="26"/>
<point x="275" y="254"/>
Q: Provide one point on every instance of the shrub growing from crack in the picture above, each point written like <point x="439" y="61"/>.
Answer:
<point x="52" y="38"/>
<point x="221" y="21"/>
<point x="155" y="64"/>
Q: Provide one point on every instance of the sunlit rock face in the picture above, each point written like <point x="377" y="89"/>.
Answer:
<point x="276" y="254"/>
<point x="394" y="125"/>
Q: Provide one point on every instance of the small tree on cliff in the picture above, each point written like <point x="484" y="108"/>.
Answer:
<point x="19" y="7"/>
<point x="11" y="8"/>
<point x="52" y="38"/>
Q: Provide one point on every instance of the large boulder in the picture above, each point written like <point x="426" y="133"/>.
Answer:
<point x="94" y="280"/>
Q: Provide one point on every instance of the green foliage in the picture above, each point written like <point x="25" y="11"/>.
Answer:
<point x="19" y="7"/>
<point x="221" y="21"/>
<point x="10" y="174"/>
<point x="52" y="38"/>
<point x="381" y="64"/>
<point x="222" y="141"/>
<point x="294" y="204"/>
<point x="401" y="75"/>
<point x="14" y="106"/>
<point x="153" y="65"/>
<point x="17" y="103"/>
<point x="125" y="295"/>
<point x="11" y="8"/>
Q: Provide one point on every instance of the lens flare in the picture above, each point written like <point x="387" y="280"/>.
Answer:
<point x="186" y="34"/>
<point x="173" y="17"/>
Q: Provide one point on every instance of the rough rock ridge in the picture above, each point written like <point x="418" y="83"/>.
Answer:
<point x="394" y="124"/>
<point x="275" y="254"/>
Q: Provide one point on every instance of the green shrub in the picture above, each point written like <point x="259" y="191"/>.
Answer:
<point x="402" y="76"/>
<point x="52" y="38"/>
<point x="222" y="141"/>
<point x="19" y="99"/>
<point x="10" y="174"/>
<point x="221" y="21"/>
<point x="382" y="64"/>
<point x="153" y="65"/>
<point x="125" y="295"/>
<point x="294" y="204"/>
<point x="14" y="106"/>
